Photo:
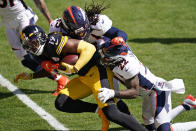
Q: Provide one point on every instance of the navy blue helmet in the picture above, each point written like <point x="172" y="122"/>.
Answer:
<point x="75" y="22"/>
<point x="112" y="52"/>
<point x="33" y="39"/>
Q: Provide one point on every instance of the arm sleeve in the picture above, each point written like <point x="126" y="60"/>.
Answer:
<point x="86" y="51"/>
<point x="114" y="32"/>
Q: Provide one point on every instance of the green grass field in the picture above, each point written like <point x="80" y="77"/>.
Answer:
<point x="162" y="33"/>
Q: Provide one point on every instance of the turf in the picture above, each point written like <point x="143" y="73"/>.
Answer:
<point x="161" y="34"/>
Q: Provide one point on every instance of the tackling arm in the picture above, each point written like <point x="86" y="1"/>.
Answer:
<point x="30" y="76"/>
<point x="132" y="90"/>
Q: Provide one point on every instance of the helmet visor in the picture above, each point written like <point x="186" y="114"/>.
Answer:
<point x="31" y="45"/>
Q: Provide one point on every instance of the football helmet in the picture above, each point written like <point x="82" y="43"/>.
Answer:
<point x="33" y="39"/>
<point x="113" y="52"/>
<point x="75" y="22"/>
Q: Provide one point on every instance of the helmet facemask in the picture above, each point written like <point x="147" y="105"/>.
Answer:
<point x="34" y="44"/>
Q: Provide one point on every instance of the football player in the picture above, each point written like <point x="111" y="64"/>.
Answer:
<point x="156" y="106"/>
<point x="90" y="26"/>
<point x="15" y="16"/>
<point x="92" y="76"/>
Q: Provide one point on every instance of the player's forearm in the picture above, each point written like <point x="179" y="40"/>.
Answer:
<point x="132" y="91"/>
<point x="126" y="94"/>
<point x="43" y="9"/>
<point x="42" y="73"/>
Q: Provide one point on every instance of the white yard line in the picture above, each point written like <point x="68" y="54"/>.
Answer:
<point x="36" y="108"/>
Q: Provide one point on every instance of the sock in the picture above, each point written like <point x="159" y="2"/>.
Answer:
<point x="186" y="126"/>
<point x="175" y="111"/>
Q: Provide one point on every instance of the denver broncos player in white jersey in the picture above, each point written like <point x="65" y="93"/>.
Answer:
<point x="15" y="16"/>
<point x="157" y="109"/>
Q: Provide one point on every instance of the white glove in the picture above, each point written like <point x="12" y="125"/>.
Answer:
<point x="105" y="94"/>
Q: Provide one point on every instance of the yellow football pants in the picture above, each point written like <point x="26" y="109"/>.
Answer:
<point x="83" y="86"/>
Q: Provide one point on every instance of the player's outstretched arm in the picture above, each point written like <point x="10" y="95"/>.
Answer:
<point x="43" y="9"/>
<point x="30" y="76"/>
<point x="131" y="92"/>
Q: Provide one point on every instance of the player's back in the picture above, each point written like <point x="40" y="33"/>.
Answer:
<point x="9" y="8"/>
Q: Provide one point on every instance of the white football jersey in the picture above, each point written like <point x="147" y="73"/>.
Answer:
<point x="128" y="68"/>
<point x="15" y="16"/>
<point x="55" y="26"/>
<point x="10" y="7"/>
<point x="101" y="27"/>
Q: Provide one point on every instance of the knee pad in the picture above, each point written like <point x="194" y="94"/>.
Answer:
<point x="110" y="110"/>
<point x="60" y="102"/>
<point x="122" y="106"/>
<point x="164" y="127"/>
<point x="66" y="104"/>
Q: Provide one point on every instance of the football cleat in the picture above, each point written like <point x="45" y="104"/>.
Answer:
<point x="105" y="121"/>
<point x="62" y="81"/>
<point x="190" y="101"/>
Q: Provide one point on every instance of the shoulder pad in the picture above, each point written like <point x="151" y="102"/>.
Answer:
<point x="128" y="68"/>
<point x="55" y="25"/>
<point x="102" y="26"/>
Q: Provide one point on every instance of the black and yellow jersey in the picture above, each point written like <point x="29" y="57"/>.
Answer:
<point x="93" y="62"/>
<point x="53" y="47"/>
<point x="53" y="51"/>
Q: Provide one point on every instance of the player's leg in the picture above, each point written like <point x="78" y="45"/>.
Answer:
<point x="188" y="104"/>
<point x="148" y="109"/>
<point x="68" y="99"/>
<point x="104" y="78"/>
<point x="185" y="126"/>
<point x="122" y="106"/>
<point x="163" y="107"/>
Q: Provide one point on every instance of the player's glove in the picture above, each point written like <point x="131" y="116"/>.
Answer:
<point x="50" y="67"/>
<point x="23" y="76"/>
<point x="67" y="69"/>
<point x="105" y="94"/>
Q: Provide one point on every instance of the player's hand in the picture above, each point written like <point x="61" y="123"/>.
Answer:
<point x="49" y="66"/>
<point x="67" y="69"/>
<point x="23" y="76"/>
<point x="105" y="94"/>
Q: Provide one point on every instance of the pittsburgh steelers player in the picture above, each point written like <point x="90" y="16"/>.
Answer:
<point x="91" y="75"/>
<point x="89" y="25"/>
<point x="157" y="111"/>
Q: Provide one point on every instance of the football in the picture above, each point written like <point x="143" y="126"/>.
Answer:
<point x="70" y="59"/>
